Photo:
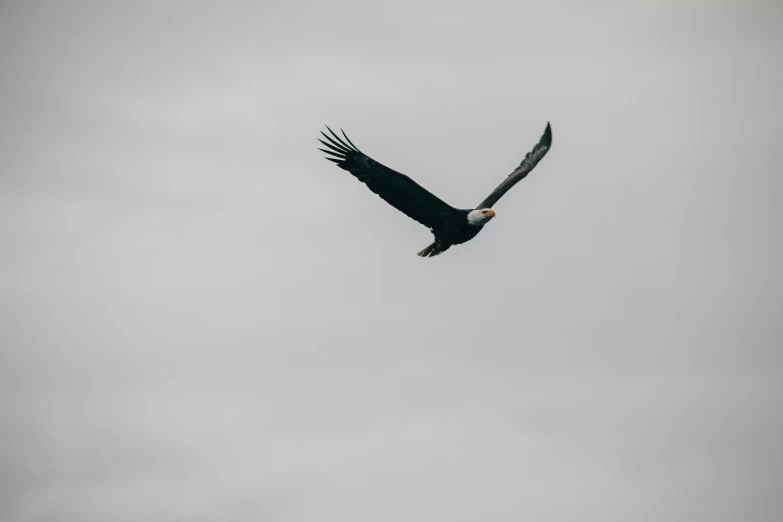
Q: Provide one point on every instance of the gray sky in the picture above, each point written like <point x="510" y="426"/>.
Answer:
<point x="201" y="319"/>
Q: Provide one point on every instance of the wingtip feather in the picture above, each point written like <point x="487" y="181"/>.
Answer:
<point x="349" y="140"/>
<point x="335" y="145"/>
<point x="336" y="154"/>
<point x="546" y="139"/>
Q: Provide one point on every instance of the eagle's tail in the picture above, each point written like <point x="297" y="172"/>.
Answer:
<point x="433" y="250"/>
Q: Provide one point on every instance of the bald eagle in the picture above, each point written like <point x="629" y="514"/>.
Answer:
<point x="450" y="226"/>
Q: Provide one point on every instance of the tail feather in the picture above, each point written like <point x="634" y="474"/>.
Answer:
<point x="433" y="250"/>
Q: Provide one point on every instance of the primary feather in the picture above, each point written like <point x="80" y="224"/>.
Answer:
<point x="395" y="188"/>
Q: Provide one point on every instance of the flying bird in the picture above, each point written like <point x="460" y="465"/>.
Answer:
<point x="450" y="226"/>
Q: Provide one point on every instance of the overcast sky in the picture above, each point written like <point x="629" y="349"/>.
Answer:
<point x="201" y="319"/>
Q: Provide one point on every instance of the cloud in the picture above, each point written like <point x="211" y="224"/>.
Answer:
<point x="202" y="319"/>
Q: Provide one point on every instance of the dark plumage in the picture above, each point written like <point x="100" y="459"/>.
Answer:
<point x="449" y="225"/>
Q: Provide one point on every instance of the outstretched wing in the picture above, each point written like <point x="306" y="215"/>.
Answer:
<point x="524" y="168"/>
<point x="397" y="189"/>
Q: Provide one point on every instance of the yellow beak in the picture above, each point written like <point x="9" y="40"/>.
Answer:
<point x="491" y="212"/>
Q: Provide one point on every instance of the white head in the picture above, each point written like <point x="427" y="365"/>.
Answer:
<point x="480" y="217"/>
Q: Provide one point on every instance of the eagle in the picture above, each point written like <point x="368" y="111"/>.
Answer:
<point x="450" y="226"/>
